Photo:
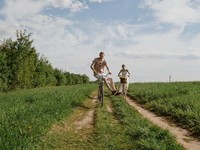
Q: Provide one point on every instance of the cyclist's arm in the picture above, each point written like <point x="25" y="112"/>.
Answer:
<point x="107" y="68"/>
<point x="119" y="73"/>
<point x="92" y="67"/>
<point x="128" y="72"/>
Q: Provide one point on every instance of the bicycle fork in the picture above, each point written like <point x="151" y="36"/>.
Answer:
<point x="101" y="93"/>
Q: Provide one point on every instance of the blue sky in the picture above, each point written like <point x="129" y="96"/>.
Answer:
<point x="155" y="39"/>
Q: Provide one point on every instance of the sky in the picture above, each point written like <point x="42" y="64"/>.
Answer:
<point x="155" y="39"/>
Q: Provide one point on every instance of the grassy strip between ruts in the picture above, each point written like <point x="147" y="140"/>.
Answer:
<point x="108" y="132"/>
<point x="178" y="100"/>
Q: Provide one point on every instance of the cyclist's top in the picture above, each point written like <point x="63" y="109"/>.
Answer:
<point x="124" y="72"/>
<point x="99" y="64"/>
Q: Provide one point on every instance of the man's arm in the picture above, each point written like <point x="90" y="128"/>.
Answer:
<point x="92" y="67"/>
<point x="108" y="69"/>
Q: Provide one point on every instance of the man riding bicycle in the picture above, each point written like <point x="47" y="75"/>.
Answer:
<point x="98" y="65"/>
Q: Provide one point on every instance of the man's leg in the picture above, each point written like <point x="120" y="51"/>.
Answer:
<point x="107" y="84"/>
<point x="110" y="85"/>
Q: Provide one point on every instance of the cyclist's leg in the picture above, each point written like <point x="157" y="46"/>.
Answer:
<point x="109" y="83"/>
<point x="127" y="85"/>
<point x="120" y="87"/>
<point x="123" y="88"/>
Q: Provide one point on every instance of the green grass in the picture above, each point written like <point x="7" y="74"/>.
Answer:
<point x="142" y="134"/>
<point x="123" y="128"/>
<point x="28" y="114"/>
<point x="178" y="100"/>
<point x="109" y="133"/>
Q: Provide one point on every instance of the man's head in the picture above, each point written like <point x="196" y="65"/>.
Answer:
<point x="101" y="55"/>
<point x="123" y="66"/>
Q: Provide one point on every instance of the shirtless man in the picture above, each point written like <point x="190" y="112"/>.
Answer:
<point x="98" y="65"/>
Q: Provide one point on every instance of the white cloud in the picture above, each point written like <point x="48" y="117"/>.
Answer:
<point x="16" y="9"/>
<point x="73" y="5"/>
<point x="174" y="12"/>
<point x="100" y="1"/>
<point x="157" y="55"/>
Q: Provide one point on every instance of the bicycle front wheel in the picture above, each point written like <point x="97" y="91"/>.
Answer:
<point x="101" y="93"/>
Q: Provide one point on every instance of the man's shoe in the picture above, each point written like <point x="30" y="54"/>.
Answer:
<point x="114" y="92"/>
<point x="118" y="93"/>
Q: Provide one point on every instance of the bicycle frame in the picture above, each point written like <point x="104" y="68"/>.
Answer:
<point x="101" y="91"/>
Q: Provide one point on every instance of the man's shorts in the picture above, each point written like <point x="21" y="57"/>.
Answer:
<point x="101" y="76"/>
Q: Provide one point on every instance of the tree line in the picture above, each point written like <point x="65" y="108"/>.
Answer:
<point x="21" y="67"/>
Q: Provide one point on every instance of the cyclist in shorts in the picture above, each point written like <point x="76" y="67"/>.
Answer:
<point x="98" y="65"/>
<point x="124" y="73"/>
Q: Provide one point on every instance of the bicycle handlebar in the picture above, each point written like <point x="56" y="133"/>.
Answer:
<point x="123" y="77"/>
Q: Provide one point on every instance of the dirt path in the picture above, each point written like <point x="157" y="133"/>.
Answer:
<point x="77" y="129"/>
<point x="181" y="135"/>
<point x="73" y="132"/>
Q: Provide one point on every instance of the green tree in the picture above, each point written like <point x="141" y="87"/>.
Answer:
<point x="21" y="60"/>
<point x="3" y="71"/>
<point x="21" y="67"/>
<point x="44" y="74"/>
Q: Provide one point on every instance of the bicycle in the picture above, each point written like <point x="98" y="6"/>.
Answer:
<point x="101" y="91"/>
<point x="123" y="82"/>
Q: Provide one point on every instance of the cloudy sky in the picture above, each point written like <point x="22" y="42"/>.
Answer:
<point x="155" y="39"/>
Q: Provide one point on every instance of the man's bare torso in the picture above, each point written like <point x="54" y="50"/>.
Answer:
<point x="99" y="65"/>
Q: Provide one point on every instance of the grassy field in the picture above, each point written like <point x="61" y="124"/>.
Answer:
<point x="28" y="116"/>
<point x="179" y="101"/>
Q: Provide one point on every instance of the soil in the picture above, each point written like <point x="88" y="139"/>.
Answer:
<point x="86" y="121"/>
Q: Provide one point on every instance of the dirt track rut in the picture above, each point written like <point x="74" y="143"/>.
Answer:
<point x="181" y="135"/>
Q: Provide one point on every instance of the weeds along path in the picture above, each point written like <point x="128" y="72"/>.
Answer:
<point x="182" y="135"/>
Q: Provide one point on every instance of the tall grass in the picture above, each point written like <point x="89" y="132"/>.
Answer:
<point x="178" y="100"/>
<point x="27" y="115"/>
